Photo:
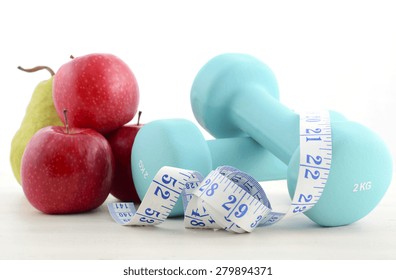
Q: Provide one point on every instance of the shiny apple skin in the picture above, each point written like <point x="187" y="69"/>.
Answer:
<point x="65" y="173"/>
<point x="121" y="142"/>
<point x="98" y="90"/>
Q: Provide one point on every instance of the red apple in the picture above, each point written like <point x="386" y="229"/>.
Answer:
<point x="99" y="90"/>
<point x="121" y="141"/>
<point x="67" y="171"/>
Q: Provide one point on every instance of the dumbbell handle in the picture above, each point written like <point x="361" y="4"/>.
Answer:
<point x="266" y="120"/>
<point x="247" y="155"/>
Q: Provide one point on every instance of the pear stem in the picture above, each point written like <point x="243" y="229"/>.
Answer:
<point x="37" y="68"/>
<point x="66" y="121"/>
<point x="139" y="114"/>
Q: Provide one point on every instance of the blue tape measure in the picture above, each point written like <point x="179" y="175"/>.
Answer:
<point x="228" y="198"/>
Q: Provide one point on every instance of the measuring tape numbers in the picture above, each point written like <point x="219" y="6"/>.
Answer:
<point x="315" y="160"/>
<point x="228" y="198"/>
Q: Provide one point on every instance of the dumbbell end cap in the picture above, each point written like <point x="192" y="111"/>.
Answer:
<point x="217" y="83"/>
<point x="360" y="174"/>
<point x="172" y="142"/>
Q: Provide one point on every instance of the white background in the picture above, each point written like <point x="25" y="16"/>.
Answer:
<point x="339" y="55"/>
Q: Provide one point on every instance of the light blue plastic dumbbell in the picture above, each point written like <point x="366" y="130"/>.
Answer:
<point x="179" y="143"/>
<point x="229" y="100"/>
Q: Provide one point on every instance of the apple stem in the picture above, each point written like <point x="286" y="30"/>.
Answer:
<point x="37" y="68"/>
<point x="139" y="114"/>
<point x="71" y="56"/>
<point x="66" y="121"/>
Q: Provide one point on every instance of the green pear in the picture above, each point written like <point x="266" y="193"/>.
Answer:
<point x="39" y="113"/>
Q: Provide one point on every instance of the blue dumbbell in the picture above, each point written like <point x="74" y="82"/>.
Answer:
<point x="230" y="99"/>
<point x="179" y="143"/>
